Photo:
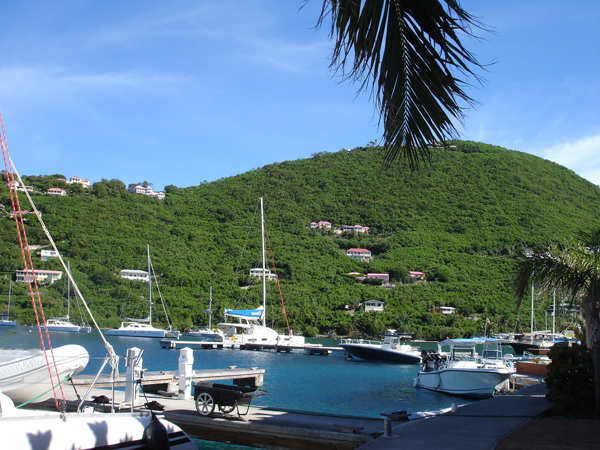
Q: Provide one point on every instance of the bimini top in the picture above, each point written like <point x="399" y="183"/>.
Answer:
<point x="255" y="314"/>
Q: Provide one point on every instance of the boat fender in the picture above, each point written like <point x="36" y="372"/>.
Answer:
<point x="156" y="435"/>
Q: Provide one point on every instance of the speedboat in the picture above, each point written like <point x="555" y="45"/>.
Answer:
<point x="393" y="349"/>
<point x="24" y="373"/>
<point x="461" y="371"/>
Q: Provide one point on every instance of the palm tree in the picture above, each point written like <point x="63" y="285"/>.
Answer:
<point x="574" y="269"/>
<point x="409" y="54"/>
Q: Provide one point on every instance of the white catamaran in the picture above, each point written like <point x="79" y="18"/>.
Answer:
<point x="143" y="327"/>
<point x="251" y="327"/>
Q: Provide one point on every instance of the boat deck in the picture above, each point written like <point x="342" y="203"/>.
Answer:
<point x="311" y="349"/>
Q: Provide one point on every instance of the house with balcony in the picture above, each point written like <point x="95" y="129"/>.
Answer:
<point x="139" y="189"/>
<point x="447" y="310"/>
<point x="361" y="254"/>
<point x="384" y="277"/>
<point x="258" y="273"/>
<point x="47" y="276"/>
<point x="373" y="305"/>
<point x="46" y="255"/>
<point x="56" y="191"/>
<point x="354" y="229"/>
<point x="135" y="275"/>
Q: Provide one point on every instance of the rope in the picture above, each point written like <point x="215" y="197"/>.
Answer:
<point x="277" y="279"/>
<point x="27" y="261"/>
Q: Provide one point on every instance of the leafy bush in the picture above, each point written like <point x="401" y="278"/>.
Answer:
<point x="571" y="381"/>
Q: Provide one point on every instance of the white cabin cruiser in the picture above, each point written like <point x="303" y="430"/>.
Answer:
<point x="392" y="349"/>
<point x="462" y="371"/>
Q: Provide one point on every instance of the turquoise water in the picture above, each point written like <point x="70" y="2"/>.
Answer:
<point x="328" y="384"/>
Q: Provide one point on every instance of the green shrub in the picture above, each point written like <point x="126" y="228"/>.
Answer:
<point x="571" y="381"/>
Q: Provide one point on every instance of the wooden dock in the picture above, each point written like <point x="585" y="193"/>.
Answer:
<point x="242" y="377"/>
<point x="311" y="349"/>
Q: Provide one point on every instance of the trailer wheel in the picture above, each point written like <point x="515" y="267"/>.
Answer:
<point x="205" y="404"/>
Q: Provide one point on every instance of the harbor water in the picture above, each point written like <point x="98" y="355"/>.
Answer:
<point x="296" y="381"/>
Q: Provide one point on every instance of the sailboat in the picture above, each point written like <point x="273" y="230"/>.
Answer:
<point x="22" y="375"/>
<point x="251" y="329"/>
<point x="62" y="323"/>
<point x="5" y="318"/>
<point x="208" y="333"/>
<point x="143" y="327"/>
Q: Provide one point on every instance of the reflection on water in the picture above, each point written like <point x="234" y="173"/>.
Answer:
<point x="330" y="384"/>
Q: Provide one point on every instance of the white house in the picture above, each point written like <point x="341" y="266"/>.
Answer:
<point x="139" y="189"/>
<point x="259" y="273"/>
<point x="135" y="275"/>
<point x="362" y="254"/>
<point x="417" y="275"/>
<point x="373" y="305"/>
<point x="56" y="191"/>
<point x="385" y="277"/>
<point x="447" y="310"/>
<point x="50" y="276"/>
<point x="48" y="254"/>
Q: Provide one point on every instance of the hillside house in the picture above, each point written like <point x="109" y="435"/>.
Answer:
<point x="76" y="180"/>
<point x="258" y="273"/>
<point x="417" y="275"/>
<point x="385" y="277"/>
<point x="314" y="225"/>
<point x="49" y="276"/>
<point x="135" y="275"/>
<point x="373" y="305"/>
<point x="355" y="229"/>
<point x="324" y="224"/>
<point x="447" y="310"/>
<point x="361" y="254"/>
<point x="16" y="186"/>
<point x="56" y="191"/>
<point x="139" y="189"/>
<point x="48" y="254"/>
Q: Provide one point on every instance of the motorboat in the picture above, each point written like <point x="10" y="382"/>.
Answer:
<point x="537" y="340"/>
<point x="143" y="327"/>
<point x="393" y="349"/>
<point x="462" y="371"/>
<point x="24" y="373"/>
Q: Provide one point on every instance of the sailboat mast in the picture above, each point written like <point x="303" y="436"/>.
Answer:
<point x="9" y="295"/>
<point x="210" y="310"/>
<point x="264" y="280"/>
<point x="68" y="290"/>
<point x="149" y="286"/>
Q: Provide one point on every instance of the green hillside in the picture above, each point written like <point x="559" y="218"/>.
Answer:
<point x="462" y="222"/>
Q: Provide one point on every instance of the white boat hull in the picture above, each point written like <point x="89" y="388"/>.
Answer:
<point x="35" y="430"/>
<point x="137" y="330"/>
<point x="468" y="382"/>
<point x="24" y="373"/>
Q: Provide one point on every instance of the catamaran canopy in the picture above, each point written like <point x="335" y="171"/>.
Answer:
<point x="255" y="314"/>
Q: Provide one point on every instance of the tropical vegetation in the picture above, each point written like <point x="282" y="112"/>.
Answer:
<point x="463" y="222"/>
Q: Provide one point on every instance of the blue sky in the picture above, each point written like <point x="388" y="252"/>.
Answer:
<point x="181" y="91"/>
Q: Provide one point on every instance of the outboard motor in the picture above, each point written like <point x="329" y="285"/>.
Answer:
<point x="430" y="360"/>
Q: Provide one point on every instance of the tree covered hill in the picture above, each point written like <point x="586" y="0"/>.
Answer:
<point x="462" y="222"/>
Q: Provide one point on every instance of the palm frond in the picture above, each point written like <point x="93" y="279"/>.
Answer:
<point x="409" y="54"/>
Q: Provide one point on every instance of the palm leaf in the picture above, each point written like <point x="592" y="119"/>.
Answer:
<point x="409" y="55"/>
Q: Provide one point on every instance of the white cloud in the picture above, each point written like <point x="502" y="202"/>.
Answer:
<point x="581" y="156"/>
